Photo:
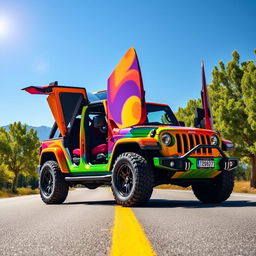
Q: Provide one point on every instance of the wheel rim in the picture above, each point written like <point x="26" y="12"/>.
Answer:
<point x="47" y="182"/>
<point x="124" y="180"/>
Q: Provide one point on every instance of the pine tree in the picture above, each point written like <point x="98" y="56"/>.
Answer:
<point x="19" y="150"/>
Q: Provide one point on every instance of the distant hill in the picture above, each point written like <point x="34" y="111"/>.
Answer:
<point x="42" y="131"/>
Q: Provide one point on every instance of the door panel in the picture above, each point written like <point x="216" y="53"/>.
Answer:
<point x="126" y="102"/>
<point x="65" y="102"/>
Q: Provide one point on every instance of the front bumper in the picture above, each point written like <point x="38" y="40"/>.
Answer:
<point x="186" y="162"/>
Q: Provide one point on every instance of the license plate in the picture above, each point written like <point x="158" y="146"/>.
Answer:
<point x="203" y="163"/>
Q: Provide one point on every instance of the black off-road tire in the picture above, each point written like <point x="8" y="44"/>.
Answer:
<point x="142" y="180"/>
<point x="59" y="191"/>
<point x="216" y="191"/>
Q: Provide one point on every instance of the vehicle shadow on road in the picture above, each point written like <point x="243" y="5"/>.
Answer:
<point x="107" y="202"/>
<point x="164" y="203"/>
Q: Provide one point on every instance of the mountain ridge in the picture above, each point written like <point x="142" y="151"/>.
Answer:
<point x="43" y="131"/>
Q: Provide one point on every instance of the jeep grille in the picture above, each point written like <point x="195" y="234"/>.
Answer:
<point x="186" y="142"/>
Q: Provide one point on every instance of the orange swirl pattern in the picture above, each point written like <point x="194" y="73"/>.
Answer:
<point x="126" y="106"/>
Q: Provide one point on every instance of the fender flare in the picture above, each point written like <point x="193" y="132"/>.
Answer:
<point x="47" y="154"/>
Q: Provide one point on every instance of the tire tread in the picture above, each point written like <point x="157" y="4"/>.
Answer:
<point x="216" y="192"/>
<point x="144" y="176"/>
<point x="61" y="186"/>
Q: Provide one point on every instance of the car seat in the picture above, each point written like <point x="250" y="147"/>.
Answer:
<point x="98" y="141"/>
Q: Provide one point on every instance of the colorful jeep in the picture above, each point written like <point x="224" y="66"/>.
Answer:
<point x="115" y="138"/>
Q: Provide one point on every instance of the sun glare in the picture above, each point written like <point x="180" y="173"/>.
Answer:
<point x="4" y="27"/>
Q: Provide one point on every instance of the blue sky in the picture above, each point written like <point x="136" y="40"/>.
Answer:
<point x="80" y="42"/>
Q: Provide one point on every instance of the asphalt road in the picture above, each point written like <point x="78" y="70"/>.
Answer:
<point x="174" y="222"/>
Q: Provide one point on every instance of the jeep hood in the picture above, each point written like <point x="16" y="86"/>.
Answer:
<point x="142" y="131"/>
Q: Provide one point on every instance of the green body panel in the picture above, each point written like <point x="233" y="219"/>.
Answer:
<point x="139" y="132"/>
<point x="194" y="172"/>
<point x="193" y="161"/>
<point x="87" y="169"/>
<point x="156" y="161"/>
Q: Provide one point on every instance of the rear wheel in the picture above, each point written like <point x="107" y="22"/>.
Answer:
<point x="216" y="191"/>
<point x="53" y="187"/>
<point x="132" y="181"/>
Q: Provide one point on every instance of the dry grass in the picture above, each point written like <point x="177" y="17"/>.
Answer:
<point x="173" y="187"/>
<point x="20" y="192"/>
<point x="240" y="187"/>
<point x="243" y="187"/>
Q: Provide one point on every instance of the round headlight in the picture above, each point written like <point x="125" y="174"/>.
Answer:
<point x="166" y="139"/>
<point x="214" y="140"/>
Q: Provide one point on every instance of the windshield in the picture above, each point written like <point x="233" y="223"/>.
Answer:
<point x="160" y="115"/>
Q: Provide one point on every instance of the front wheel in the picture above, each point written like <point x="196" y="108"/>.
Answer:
<point x="53" y="187"/>
<point x="216" y="191"/>
<point x="132" y="181"/>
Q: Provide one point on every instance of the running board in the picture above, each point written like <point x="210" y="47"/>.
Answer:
<point x="89" y="178"/>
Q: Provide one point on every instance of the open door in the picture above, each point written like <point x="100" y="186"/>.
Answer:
<point x="65" y="102"/>
<point x="125" y="97"/>
<point x="206" y="102"/>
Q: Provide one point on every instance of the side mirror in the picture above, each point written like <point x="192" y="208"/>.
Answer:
<point x="199" y="118"/>
<point x="227" y="145"/>
<point x="181" y="123"/>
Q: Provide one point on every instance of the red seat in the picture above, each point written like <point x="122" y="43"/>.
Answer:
<point x="76" y="152"/>
<point x="102" y="148"/>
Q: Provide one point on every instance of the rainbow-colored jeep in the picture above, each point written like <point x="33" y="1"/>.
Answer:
<point x="115" y="138"/>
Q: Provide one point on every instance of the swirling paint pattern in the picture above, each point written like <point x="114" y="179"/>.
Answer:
<point x="125" y="92"/>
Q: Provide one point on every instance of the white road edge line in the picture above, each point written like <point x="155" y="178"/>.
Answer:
<point x="243" y="195"/>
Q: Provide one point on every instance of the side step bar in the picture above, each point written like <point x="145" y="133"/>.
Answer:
<point x="89" y="178"/>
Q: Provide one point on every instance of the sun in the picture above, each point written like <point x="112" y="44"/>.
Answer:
<point x="4" y="27"/>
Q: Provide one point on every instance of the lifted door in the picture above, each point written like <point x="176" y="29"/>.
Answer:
<point x="65" y="102"/>
<point x="126" y="101"/>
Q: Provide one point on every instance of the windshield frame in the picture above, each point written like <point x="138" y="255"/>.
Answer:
<point x="165" y="108"/>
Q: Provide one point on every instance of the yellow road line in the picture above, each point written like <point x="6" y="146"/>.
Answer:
<point x="128" y="236"/>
